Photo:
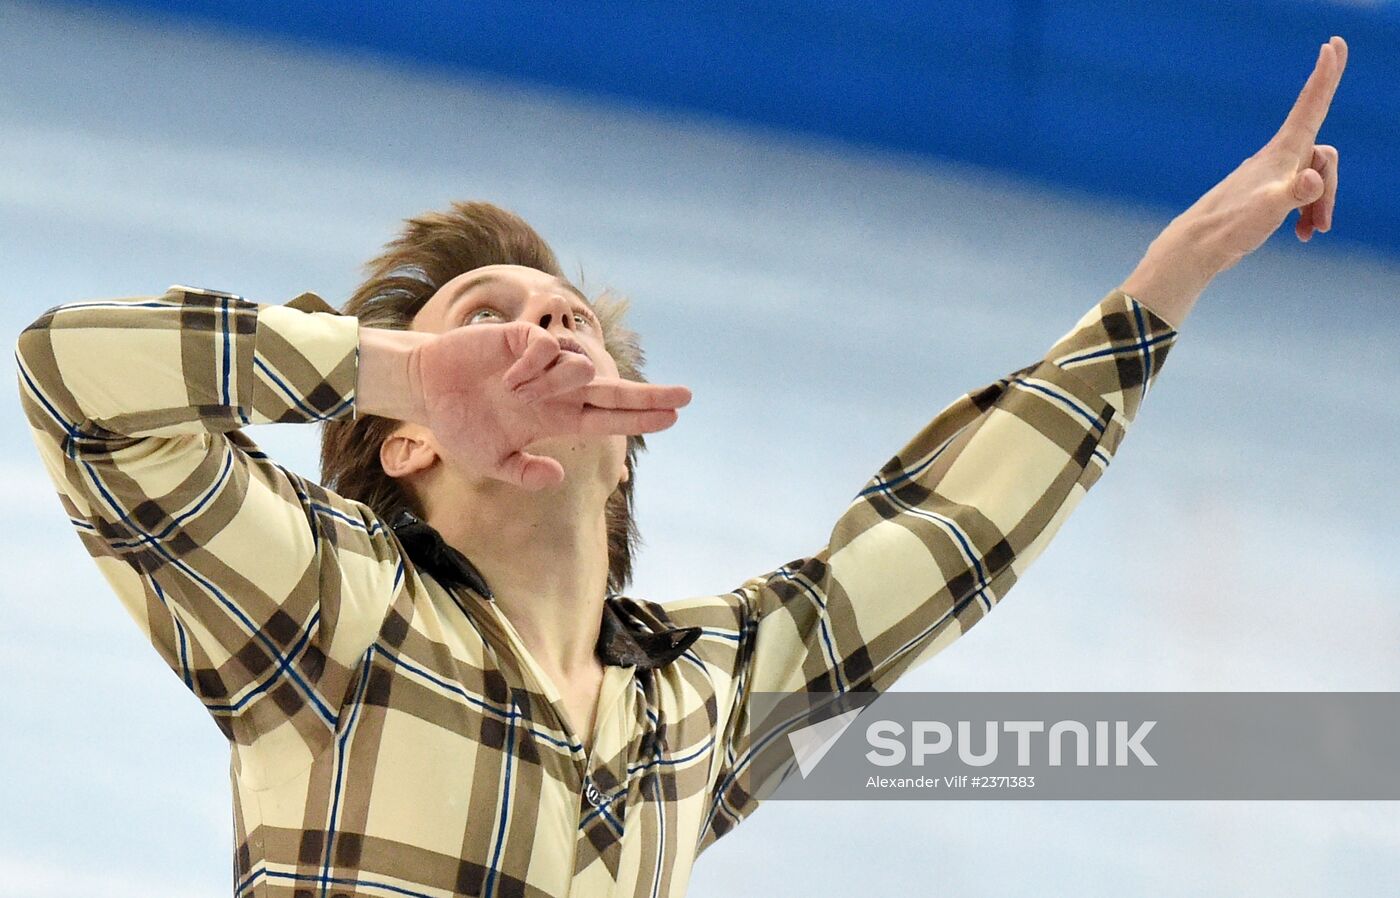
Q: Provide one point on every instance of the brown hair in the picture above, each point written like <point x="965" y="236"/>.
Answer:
<point x="432" y="249"/>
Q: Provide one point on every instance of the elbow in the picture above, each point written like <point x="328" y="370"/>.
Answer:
<point x="45" y="393"/>
<point x="34" y="348"/>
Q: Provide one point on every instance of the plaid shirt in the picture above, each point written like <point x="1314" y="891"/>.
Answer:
<point x="389" y="734"/>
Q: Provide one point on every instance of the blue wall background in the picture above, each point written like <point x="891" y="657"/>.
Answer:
<point x="1152" y="101"/>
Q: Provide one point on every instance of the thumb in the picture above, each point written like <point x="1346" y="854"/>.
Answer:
<point x="1307" y="187"/>
<point x="531" y="472"/>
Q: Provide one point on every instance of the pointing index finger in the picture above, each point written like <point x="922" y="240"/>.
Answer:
<point x="1299" y="130"/>
<point x="633" y="395"/>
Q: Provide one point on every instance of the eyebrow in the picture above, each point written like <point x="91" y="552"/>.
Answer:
<point x="481" y="279"/>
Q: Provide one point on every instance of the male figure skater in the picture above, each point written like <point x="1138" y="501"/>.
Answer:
<point x="429" y="679"/>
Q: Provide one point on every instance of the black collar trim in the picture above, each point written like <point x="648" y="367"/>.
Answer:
<point x="623" y="638"/>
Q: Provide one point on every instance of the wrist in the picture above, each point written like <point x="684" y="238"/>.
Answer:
<point x="386" y="385"/>
<point x="1176" y="269"/>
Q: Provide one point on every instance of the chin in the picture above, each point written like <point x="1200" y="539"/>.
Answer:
<point x="600" y="458"/>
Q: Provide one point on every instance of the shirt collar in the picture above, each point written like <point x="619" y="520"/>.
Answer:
<point x="625" y="637"/>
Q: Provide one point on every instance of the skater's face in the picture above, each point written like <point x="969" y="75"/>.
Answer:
<point x="494" y="294"/>
<point x="497" y="294"/>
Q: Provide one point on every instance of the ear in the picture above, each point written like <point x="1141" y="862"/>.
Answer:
<point x="406" y="451"/>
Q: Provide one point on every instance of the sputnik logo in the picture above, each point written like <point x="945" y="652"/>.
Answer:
<point x="811" y="743"/>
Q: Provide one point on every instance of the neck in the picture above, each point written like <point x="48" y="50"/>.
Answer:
<point x="545" y="556"/>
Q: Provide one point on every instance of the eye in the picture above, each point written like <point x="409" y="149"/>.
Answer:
<point x="484" y="310"/>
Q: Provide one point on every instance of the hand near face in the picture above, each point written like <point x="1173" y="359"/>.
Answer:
<point x="491" y="390"/>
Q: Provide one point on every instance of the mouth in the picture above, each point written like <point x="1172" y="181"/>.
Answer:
<point x="569" y="344"/>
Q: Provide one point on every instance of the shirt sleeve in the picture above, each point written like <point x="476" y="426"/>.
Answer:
<point x="259" y="589"/>
<point x="936" y="538"/>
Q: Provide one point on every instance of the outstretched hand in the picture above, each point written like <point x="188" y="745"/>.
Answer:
<point x="491" y="390"/>
<point x="1290" y="172"/>
<point x="1235" y="217"/>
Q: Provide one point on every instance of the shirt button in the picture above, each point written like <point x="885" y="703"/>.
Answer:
<point x="593" y="795"/>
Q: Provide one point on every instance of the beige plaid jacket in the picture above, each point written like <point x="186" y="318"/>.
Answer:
<point x="389" y="734"/>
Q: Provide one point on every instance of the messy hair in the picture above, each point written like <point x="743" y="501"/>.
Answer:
<point x="433" y="248"/>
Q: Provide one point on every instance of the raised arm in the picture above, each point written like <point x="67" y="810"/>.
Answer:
<point x="262" y="590"/>
<point x="936" y="538"/>
<point x="952" y="522"/>
<point x="259" y="589"/>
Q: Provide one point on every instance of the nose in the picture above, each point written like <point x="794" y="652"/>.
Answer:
<point x="550" y="308"/>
